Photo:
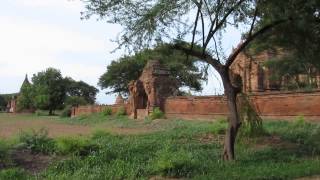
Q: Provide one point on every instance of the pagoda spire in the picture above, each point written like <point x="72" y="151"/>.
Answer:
<point x="26" y="80"/>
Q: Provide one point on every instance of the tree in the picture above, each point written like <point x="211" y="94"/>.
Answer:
<point x="3" y="103"/>
<point x="120" y="72"/>
<point x="25" y="97"/>
<point x="147" y="22"/>
<point x="79" y="92"/>
<point x="49" y="90"/>
<point x="298" y="41"/>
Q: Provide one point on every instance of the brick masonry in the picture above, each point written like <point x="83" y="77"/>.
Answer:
<point x="274" y="105"/>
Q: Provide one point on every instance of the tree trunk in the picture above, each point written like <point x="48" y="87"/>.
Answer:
<point x="50" y="112"/>
<point x="233" y="117"/>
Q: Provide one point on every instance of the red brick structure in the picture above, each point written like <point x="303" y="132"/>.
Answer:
<point x="155" y="88"/>
<point x="150" y="90"/>
<point x="256" y="77"/>
<point x="273" y="105"/>
<point x="12" y="105"/>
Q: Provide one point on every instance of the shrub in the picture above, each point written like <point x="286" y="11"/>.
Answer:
<point x="4" y="154"/>
<point x="73" y="145"/>
<point x="14" y="173"/>
<point x="107" y="111"/>
<point x="66" y="112"/>
<point x="220" y="126"/>
<point x="121" y="111"/>
<point x="173" y="163"/>
<point x="37" y="141"/>
<point x="156" y="114"/>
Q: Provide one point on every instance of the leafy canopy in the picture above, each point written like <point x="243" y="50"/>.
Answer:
<point x="120" y="72"/>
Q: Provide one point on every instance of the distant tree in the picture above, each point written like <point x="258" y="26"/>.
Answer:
<point x="3" y="103"/>
<point x="80" y="92"/>
<point x="120" y="72"/>
<point x="25" y="97"/>
<point x="75" y="101"/>
<point x="49" y="89"/>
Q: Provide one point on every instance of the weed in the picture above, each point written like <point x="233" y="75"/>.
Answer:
<point x="75" y="145"/>
<point x="37" y="141"/>
<point x="4" y="154"/>
<point x="156" y="114"/>
<point x="121" y="111"/>
<point x="66" y="112"/>
<point x="220" y="126"/>
<point x="13" y="173"/>
<point x="107" y="111"/>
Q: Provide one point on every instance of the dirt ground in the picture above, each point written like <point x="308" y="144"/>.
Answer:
<point x="11" y="125"/>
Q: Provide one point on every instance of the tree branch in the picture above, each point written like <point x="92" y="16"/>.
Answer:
<point x="220" y="23"/>
<point x="250" y="38"/>
<point x="199" y="54"/>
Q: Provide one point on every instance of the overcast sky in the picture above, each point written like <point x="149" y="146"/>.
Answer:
<point x="37" y="34"/>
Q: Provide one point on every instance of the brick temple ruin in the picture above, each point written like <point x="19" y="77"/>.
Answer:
<point x="155" y="88"/>
<point x="256" y="77"/>
<point x="150" y="90"/>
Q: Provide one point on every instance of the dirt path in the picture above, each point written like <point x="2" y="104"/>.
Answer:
<point x="9" y="129"/>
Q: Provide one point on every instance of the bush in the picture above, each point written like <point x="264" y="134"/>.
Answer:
<point x="220" y="126"/>
<point x="121" y="111"/>
<point x="73" y="145"/>
<point x="107" y="111"/>
<point x="4" y="154"/>
<point x="37" y="141"/>
<point x="14" y="173"/>
<point x="173" y="163"/>
<point x="156" y="114"/>
<point x="41" y="113"/>
<point x="66" y="112"/>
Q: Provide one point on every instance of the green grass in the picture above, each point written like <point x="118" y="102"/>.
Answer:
<point x="181" y="149"/>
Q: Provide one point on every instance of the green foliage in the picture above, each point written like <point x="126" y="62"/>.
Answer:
<point x="50" y="91"/>
<point x="14" y="174"/>
<point x="41" y="113"/>
<point x="156" y="114"/>
<point x="301" y="132"/>
<point x="184" y="150"/>
<point x="251" y="122"/>
<point x="75" y="101"/>
<point x="3" y="103"/>
<point x="121" y="111"/>
<point x="297" y="39"/>
<point x="171" y="163"/>
<point x="66" y="112"/>
<point x="37" y="141"/>
<point x="120" y="72"/>
<point x="107" y="111"/>
<point x="79" y="92"/>
<point x="220" y="126"/>
<point x="4" y="154"/>
<point x="25" y="98"/>
<point x="75" y="145"/>
<point x="177" y="152"/>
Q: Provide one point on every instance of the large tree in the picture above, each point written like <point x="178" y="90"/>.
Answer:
<point x="146" y="22"/>
<point x="79" y="92"/>
<point x="49" y="90"/>
<point x="120" y="72"/>
<point x="25" y="97"/>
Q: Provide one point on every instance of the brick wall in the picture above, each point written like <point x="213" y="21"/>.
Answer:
<point x="276" y="105"/>
<point x="281" y="105"/>
<point x="84" y="110"/>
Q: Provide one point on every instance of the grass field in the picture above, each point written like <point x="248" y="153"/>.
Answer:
<point x="118" y="148"/>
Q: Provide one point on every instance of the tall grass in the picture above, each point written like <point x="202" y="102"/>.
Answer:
<point x="184" y="150"/>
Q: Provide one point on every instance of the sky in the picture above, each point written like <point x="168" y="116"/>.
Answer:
<point x="37" y="34"/>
